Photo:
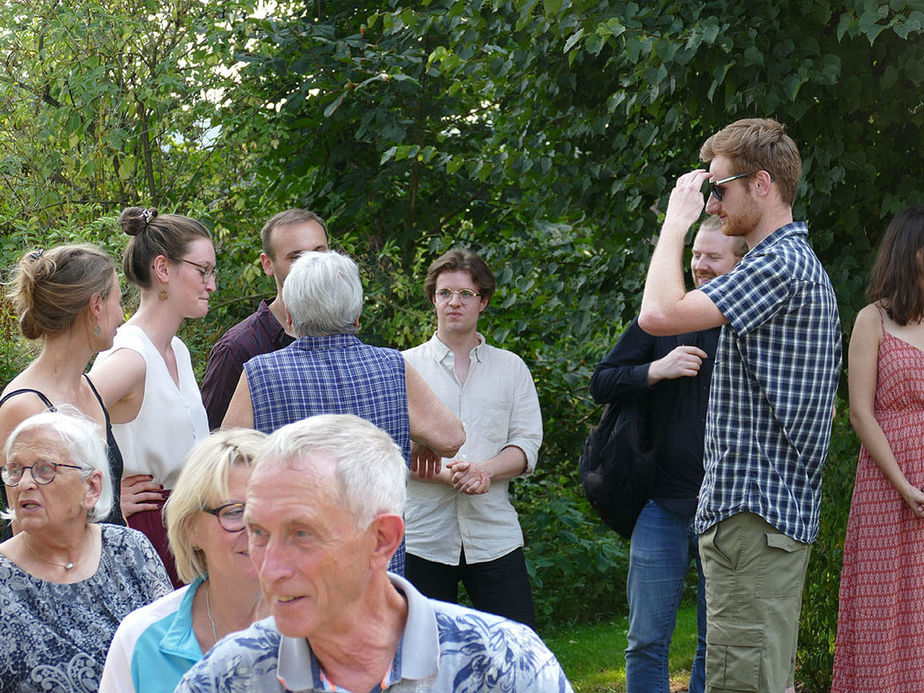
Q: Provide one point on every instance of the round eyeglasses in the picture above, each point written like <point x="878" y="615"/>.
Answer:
<point x="463" y="294"/>
<point x="205" y="271"/>
<point x="230" y="516"/>
<point x="43" y="472"/>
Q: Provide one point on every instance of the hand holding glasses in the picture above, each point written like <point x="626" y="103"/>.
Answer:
<point x="716" y="190"/>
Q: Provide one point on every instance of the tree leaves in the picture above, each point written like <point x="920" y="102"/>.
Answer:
<point x="119" y="97"/>
<point x="544" y="134"/>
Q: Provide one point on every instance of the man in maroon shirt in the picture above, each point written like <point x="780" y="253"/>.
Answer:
<point x="285" y="237"/>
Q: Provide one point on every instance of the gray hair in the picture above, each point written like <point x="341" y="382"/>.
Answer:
<point x="370" y="468"/>
<point x="85" y="447"/>
<point x="323" y="294"/>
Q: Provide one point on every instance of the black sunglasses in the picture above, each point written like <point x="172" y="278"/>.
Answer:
<point x="717" y="192"/>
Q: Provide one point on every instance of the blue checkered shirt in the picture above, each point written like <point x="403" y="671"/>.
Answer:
<point x="772" y="399"/>
<point x="337" y="374"/>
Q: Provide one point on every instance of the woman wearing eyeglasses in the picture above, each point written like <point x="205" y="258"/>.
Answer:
<point x="66" y="581"/>
<point x="147" y="379"/>
<point x="67" y="298"/>
<point x="157" y="644"/>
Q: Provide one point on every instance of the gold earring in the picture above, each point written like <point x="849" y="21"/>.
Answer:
<point x="163" y="293"/>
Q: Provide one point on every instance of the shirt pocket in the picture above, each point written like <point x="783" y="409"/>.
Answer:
<point x="491" y="417"/>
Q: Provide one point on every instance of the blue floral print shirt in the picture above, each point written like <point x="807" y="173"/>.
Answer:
<point x="445" y="648"/>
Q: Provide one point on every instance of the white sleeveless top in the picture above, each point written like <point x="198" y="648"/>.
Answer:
<point x="171" y="419"/>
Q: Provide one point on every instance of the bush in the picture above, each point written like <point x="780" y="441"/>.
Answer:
<point x="818" y="623"/>
<point x="577" y="565"/>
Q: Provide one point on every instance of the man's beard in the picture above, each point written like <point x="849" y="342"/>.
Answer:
<point x="742" y="223"/>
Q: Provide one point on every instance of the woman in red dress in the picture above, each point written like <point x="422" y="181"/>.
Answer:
<point x="880" y="631"/>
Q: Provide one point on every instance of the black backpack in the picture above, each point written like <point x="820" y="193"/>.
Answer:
<point x="617" y="468"/>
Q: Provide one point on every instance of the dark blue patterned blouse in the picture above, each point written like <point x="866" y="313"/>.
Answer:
<point x="53" y="637"/>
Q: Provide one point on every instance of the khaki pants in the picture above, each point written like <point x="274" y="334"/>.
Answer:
<point x="754" y="578"/>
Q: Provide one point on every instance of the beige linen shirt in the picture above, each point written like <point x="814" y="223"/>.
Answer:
<point x="499" y="407"/>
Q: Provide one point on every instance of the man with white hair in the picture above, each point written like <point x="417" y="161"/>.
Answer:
<point x="324" y="515"/>
<point x="328" y="370"/>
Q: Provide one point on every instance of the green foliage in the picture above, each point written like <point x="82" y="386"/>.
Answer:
<point x="818" y="626"/>
<point x="15" y="354"/>
<point x="112" y="104"/>
<point x="570" y="556"/>
<point x="545" y="135"/>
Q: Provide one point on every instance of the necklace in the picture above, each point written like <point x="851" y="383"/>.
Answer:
<point x="67" y="566"/>
<point x="208" y="611"/>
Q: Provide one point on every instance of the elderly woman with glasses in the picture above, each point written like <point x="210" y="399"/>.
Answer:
<point x="66" y="581"/>
<point x="157" y="644"/>
<point x="146" y="379"/>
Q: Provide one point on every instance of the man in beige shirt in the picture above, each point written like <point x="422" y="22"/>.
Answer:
<point x="461" y="525"/>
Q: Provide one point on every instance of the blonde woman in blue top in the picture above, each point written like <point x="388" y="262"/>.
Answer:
<point x="154" y="646"/>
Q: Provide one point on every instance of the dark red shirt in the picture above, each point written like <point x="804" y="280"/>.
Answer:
<point x="256" y="334"/>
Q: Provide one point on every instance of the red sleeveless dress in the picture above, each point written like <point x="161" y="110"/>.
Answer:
<point x="880" y="626"/>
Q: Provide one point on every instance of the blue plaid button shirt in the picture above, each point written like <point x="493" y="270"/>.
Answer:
<point x="337" y="374"/>
<point x="772" y="399"/>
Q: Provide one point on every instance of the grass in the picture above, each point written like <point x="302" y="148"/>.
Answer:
<point x="593" y="655"/>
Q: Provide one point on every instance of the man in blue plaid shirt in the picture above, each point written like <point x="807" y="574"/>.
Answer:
<point x="328" y="370"/>
<point x="772" y="398"/>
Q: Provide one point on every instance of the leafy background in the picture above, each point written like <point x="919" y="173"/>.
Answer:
<point x="545" y="135"/>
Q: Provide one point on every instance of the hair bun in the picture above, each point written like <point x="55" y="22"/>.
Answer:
<point x="32" y="279"/>
<point x="134" y="220"/>
<point x="36" y="265"/>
